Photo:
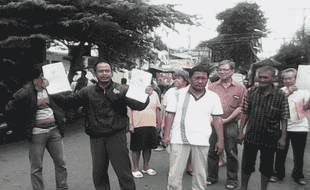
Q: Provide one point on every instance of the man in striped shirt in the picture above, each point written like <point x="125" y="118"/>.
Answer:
<point x="265" y="111"/>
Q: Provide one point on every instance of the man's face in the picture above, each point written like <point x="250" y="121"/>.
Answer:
<point x="289" y="79"/>
<point x="179" y="82"/>
<point x="103" y="72"/>
<point x="225" y="72"/>
<point x="38" y="82"/>
<point x="265" y="78"/>
<point x="199" y="80"/>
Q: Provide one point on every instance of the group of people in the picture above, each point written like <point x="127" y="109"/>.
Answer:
<point x="199" y="120"/>
<point x="203" y="123"/>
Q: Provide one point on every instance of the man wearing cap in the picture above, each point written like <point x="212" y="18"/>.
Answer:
<point x="33" y="111"/>
<point x="188" y="125"/>
<point x="231" y="94"/>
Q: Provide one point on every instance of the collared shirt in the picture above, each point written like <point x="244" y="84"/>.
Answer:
<point x="295" y="101"/>
<point x="231" y="97"/>
<point x="197" y="117"/>
<point x="265" y="113"/>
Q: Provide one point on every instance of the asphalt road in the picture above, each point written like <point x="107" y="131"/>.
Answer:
<point x="14" y="167"/>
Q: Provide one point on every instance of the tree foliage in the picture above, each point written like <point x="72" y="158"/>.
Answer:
<point x="296" y="51"/>
<point x="239" y="34"/>
<point x="121" y="30"/>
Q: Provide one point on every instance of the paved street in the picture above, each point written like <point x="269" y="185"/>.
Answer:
<point x="14" y="167"/>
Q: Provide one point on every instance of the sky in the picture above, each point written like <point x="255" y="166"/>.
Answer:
<point x="284" y="18"/>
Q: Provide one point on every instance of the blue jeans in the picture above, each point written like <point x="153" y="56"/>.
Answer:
<point x="230" y="141"/>
<point x="52" y="141"/>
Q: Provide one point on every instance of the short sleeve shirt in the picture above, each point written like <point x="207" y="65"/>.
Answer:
<point x="265" y="113"/>
<point x="197" y="119"/>
<point x="298" y="97"/>
<point x="147" y="117"/>
<point x="231" y="97"/>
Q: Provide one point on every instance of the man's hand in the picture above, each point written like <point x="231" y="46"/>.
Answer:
<point x="240" y="137"/>
<point x="131" y="129"/>
<point x="224" y="121"/>
<point x="165" y="141"/>
<point x="219" y="147"/>
<point x="281" y="143"/>
<point x="292" y="88"/>
<point x="149" y="90"/>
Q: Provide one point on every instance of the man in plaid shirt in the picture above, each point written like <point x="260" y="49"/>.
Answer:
<point x="265" y="111"/>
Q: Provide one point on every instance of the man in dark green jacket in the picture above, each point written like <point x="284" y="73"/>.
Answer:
<point x="106" y="123"/>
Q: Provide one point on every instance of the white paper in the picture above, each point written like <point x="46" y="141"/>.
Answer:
<point x="303" y="77"/>
<point x="56" y="77"/>
<point x="138" y="83"/>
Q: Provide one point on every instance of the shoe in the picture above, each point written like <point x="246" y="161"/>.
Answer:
<point x="137" y="174"/>
<point x="159" y="148"/>
<point x="273" y="179"/>
<point x="149" y="172"/>
<point x="301" y="182"/>
<point x="209" y="183"/>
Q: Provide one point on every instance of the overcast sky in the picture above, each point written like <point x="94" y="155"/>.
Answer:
<point x="285" y="17"/>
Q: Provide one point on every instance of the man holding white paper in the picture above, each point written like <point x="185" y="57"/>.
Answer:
<point x="106" y="123"/>
<point x="34" y="113"/>
<point x="297" y="129"/>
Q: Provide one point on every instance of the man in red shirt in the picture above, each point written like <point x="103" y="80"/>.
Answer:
<point x="231" y="94"/>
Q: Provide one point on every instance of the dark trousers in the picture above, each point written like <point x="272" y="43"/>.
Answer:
<point x="298" y="140"/>
<point x="249" y="159"/>
<point x="114" y="149"/>
<point x="230" y="141"/>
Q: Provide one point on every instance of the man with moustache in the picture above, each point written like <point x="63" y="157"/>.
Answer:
<point x="265" y="111"/>
<point x="188" y="128"/>
<point x="231" y="94"/>
<point x="106" y="123"/>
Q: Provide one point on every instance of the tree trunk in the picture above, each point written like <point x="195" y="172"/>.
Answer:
<point x="76" y="54"/>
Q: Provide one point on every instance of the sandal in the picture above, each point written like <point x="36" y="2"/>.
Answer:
<point x="149" y="172"/>
<point x="273" y="179"/>
<point x="231" y="186"/>
<point x="301" y="182"/>
<point x="137" y="174"/>
<point x="209" y="183"/>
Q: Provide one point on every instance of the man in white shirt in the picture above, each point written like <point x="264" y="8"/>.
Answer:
<point x="188" y="128"/>
<point x="297" y="129"/>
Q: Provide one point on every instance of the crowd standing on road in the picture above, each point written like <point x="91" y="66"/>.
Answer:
<point x="199" y="122"/>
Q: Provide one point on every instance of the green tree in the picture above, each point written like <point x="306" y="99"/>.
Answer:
<point x="239" y="34"/>
<point x="121" y="30"/>
<point x="295" y="52"/>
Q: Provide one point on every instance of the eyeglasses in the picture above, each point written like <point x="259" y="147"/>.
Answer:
<point x="224" y="70"/>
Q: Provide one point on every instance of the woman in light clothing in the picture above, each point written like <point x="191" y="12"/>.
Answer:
<point x="143" y="126"/>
